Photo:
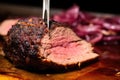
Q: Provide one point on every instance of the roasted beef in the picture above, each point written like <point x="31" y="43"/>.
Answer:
<point x="30" y="44"/>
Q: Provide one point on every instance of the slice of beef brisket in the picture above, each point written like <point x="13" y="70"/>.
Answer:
<point x="30" y="44"/>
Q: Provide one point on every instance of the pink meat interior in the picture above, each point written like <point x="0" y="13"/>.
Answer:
<point x="64" y="47"/>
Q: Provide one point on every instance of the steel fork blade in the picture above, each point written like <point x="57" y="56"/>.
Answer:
<point x="46" y="11"/>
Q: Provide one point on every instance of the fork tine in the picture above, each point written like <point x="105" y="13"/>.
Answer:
<point x="46" y="11"/>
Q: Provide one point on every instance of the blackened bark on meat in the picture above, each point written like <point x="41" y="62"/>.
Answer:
<point x="23" y="40"/>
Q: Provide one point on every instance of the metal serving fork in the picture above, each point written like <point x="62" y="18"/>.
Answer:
<point x="46" y="11"/>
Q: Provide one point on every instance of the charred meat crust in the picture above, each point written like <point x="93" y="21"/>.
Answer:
<point x="53" y="24"/>
<point x="23" y="40"/>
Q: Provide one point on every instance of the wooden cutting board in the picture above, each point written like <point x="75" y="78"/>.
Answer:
<point x="106" y="68"/>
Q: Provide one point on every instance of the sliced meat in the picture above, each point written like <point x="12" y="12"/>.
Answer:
<point x="29" y="44"/>
<point x="6" y="25"/>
